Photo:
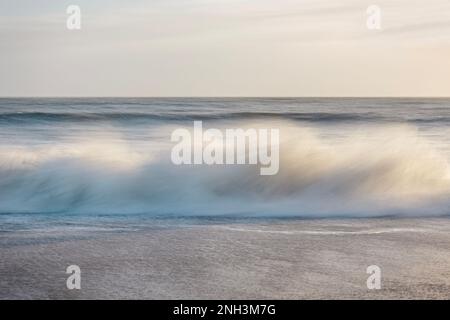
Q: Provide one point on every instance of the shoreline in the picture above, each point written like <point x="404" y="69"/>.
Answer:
<point x="287" y="259"/>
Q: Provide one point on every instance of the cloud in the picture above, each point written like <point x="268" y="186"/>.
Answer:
<point x="223" y="47"/>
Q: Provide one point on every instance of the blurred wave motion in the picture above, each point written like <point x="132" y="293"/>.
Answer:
<point x="338" y="157"/>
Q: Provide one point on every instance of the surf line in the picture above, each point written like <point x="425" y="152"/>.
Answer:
<point x="235" y="146"/>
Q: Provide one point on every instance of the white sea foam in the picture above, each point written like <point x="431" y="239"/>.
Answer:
<point x="328" y="232"/>
<point x="380" y="171"/>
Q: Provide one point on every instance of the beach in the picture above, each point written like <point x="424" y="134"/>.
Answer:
<point x="219" y="259"/>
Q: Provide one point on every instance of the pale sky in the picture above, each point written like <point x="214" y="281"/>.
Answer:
<point x="225" y="48"/>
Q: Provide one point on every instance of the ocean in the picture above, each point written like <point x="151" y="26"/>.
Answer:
<point x="338" y="157"/>
<point x="90" y="181"/>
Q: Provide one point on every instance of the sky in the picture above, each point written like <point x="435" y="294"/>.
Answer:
<point x="225" y="48"/>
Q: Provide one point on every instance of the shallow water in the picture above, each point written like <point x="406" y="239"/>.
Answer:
<point x="216" y="258"/>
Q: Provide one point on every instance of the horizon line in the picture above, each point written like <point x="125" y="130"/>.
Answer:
<point x="224" y="97"/>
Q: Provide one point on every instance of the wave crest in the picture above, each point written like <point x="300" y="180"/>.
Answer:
<point x="381" y="171"/>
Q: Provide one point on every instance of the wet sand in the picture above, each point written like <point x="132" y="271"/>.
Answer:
<point x="250" y="259"/>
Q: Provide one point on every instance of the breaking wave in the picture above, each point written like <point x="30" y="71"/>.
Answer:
<point x="384" y="171"/>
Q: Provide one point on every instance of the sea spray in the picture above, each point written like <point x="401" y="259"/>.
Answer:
<point x="378" y="171"/>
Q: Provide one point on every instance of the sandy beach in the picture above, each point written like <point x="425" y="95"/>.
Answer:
<point x="228" y="259"/>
